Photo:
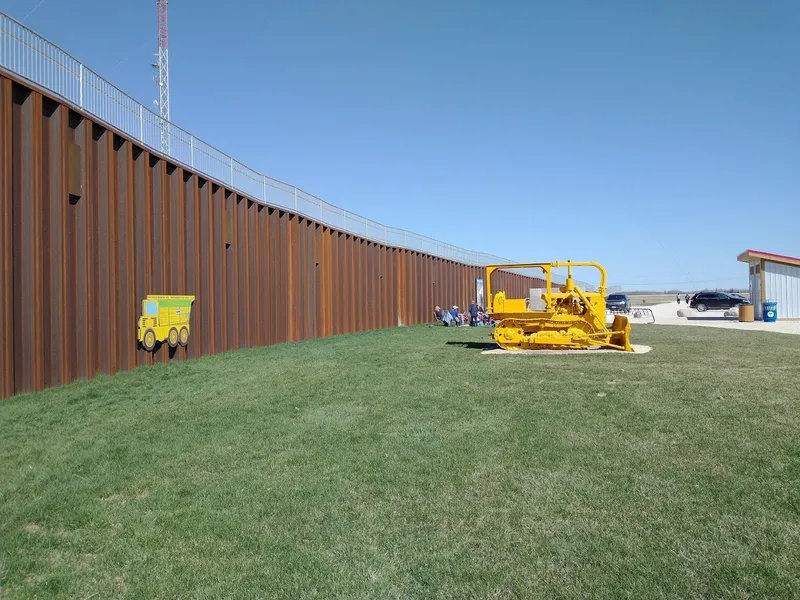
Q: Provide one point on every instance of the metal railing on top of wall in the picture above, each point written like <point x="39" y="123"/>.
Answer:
<point x="30" y="56"/>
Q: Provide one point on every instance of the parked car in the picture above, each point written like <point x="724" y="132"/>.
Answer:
<point x="715" y="301"/>
<point x="618" y="302"/>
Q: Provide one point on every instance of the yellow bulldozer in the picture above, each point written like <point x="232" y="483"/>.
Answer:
<point x="568" y="318"/>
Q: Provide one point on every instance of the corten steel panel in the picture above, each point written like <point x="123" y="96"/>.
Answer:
<point x="52" y="251"/>
<point x="413" y="287"/>
<point x="377" y="286"/>
<point x="386" y="290"/>
<point x="26" y="214"/>
<point x="371" y="293"/>
<point x="282" y="291"/>
<point x="290" y="274"/>
<point x="413" y="277"/>
<point x="426" y="288"/>
<point x="359" y="297"/>
<point x="391" y="276"/>
<point x="405" y="291"/>
<point x="275" y="287"/>
<point x="248" y="264"/>
<point x="300" y="278"/>
<point x="127" y="313"/>
<point x="319" y="292"/>
<point x="420" y="298"/>
<point x="372" y="321"/>
<point x="341" y="316"/>
<point x="306" y="290"/>
<point x="237" y="250"/>
<point x="87" y="256"/>
<point x="326" y="294"/>
<point x="177" y="239"/>
<point x="106" y="236"/>
<point x="314" y="281"/>
<point x="243" y="288"/>
<point x="224" y="295"/>
<point x="380" y="291"/>
<point x="335" y="308"/>
<point x="356" y="297"/>
<point x="191" y="258"/>
<point x="369" y="299"/>
<point x="254" y="273"/>
<point x="352" y="283"/>
<point x="6" y="244"/>
<point x="258" y="273"/>
<point x="387" y="293"/>
<point x="334" y="298"/>
<point x="74" y="349"/>
<point x="379" y="318"/>
<point x="230" y="331"/>
<point x="347" y="288"/>
<point x="352" y="288"/>
<point x="366" y="270"/>
<point x="204" y="302"/>
<point x="408" y="287"/>
<point x="263" y="274"/>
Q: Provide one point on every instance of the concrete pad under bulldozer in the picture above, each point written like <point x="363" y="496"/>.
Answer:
<point x="637" y="349"/>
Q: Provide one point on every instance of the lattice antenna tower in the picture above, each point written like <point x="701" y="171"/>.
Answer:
<point x="163" y="74"/>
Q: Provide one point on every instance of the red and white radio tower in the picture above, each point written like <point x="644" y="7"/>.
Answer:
<point x="163" y="73"/>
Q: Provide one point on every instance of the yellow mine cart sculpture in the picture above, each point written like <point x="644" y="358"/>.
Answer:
<point x="165" y="318"/>
<point x="565" y="319"/>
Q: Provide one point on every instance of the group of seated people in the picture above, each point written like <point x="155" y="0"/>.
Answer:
<point x="475" y="317"/>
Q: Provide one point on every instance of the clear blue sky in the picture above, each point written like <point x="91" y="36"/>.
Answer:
<point x="660" y="139"/>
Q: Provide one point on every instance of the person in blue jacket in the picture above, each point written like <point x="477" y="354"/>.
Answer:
<point x="473" y="314"/>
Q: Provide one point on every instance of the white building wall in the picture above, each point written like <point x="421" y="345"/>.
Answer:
<point x="782" y="283"/>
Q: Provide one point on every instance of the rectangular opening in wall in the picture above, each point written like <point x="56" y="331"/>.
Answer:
<point x="75" y="119"/>
<point x="97" y="132"/>
<point x="49" y="107"/>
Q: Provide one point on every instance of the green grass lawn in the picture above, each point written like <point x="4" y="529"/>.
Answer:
<point x="397" y="464"/>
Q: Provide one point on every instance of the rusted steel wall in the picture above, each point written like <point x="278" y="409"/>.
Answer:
<point x="90" y="223"/>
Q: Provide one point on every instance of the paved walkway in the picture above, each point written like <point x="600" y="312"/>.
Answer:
<point x="667" y="314"/>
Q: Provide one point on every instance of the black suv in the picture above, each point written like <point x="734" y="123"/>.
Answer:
<point x="715" y="301"/>
<point x="618" y="302"/>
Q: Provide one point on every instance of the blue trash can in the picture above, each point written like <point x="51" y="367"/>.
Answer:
<point x="769" y="311"/>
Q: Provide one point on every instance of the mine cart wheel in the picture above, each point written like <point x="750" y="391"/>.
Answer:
<point x="173" y="338"/>
<point x="149" y="340"/>
<point x="184" y="336"/>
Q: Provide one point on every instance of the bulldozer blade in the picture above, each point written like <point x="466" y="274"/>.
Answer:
<point x="621" y="333"/>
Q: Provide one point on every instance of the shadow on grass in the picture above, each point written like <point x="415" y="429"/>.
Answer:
<point x="474" y="345"/>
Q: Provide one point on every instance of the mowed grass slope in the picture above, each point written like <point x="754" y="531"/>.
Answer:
<point x="398" y="464"/>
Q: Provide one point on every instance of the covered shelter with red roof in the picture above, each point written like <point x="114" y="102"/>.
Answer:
<point x="774" y="278"/>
